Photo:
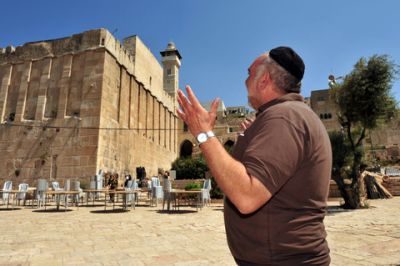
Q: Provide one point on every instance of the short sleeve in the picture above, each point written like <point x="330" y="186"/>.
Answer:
<point x="274" y="153"/>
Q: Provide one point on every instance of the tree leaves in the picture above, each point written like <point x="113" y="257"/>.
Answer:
<point x="364" y="95"/>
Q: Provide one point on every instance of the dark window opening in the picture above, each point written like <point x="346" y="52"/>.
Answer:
<point x="186" y="149"/>
<point x="11" y="117"/>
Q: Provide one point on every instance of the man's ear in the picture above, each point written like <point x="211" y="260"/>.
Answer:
<point x="263" y="80"/>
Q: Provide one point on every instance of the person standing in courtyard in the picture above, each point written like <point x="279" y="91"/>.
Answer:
<point x="276" y="182"/>
<point x="112" y="185"/>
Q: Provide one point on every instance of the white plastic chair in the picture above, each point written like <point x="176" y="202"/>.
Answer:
<point x="7" y="187"/>
<point x="22" y="189"/>
<point x="67" y="185"/>
<point x="56" y="186"/>
<point x="130" y="198"/>
<point x="92" y="195"/>
<point x="99" y="180"/>
<point x="41" y="192"/>
<point x="167" y="197"/>
<point x="133" y="184"/>
<point x="76" y="186"/>
<point x="156" y="189"/>
<point x="205" y="192"/>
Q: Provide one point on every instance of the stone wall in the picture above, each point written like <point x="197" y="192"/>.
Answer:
<point x="146" y="137"/>
<point x="148" y="70"/>
<point x="392" y="184"/>
<point x="43" y="102"/>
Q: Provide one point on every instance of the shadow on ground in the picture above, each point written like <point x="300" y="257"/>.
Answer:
<point x="52" y="210"/>
<point x="175" y="211"/>
<point x="332" y="210"/>
<point x="218" y="208"/>
<point x="10" y="209"/>
<point x="110" y="211"/>
<point x="90" y="205"/>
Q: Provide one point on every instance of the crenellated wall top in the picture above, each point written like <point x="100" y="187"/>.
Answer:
<point x="140" y="63"/>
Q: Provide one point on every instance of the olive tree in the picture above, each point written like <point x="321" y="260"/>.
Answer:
<point x="364" y="100"/>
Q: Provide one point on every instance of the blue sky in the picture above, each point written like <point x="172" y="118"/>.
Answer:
<point x="219" y="39"/>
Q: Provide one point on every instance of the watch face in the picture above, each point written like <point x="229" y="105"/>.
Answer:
<point x="202" y="137"/>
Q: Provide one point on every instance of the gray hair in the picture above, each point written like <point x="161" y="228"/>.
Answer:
<point x="282" y="78"/>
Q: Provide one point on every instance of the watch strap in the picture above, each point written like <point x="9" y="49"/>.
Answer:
<point x="210" y="134"/>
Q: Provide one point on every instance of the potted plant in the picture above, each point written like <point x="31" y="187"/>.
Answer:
<point x="193" y="186"/>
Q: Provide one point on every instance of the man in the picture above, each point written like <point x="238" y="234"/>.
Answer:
<point x="276" y="182"/>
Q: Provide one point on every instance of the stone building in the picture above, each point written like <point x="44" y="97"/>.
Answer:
<point x="325" y="108"/>
<point x="72" y="106"/>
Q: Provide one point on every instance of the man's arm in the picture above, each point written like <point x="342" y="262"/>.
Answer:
<point x="246" y="192"/>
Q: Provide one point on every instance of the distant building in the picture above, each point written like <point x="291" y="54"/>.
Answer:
<point x="325" y="108"/>
<point x="221" y="111"/>
<point x="226" y="128"/>
<point x="240" y="111"/>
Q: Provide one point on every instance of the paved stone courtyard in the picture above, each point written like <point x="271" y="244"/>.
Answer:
<point x="148" y="236"/>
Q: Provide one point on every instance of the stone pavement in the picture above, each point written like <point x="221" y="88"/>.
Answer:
<point x="148" y="236"/>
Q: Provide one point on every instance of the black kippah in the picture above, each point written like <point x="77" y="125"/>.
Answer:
<point x="287" y="58"/>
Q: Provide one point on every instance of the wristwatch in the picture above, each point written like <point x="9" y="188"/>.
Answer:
<point x="204" y="136"/>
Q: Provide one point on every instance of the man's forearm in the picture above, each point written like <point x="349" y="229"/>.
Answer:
<point x="244" y="191"/>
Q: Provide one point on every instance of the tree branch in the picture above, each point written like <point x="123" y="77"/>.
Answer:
<point x="362" y="136"/>
<point x="348" y="127"/>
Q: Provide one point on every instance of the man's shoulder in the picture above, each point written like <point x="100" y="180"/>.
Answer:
<point x="289" y="110"/>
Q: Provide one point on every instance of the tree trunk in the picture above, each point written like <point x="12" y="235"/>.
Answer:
<point x="342" y="189"/>
<point x="354" y="190"/>
<point x="350" y="193"/>
<point x="355" y="197"/>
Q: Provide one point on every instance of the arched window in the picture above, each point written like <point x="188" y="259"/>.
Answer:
<point x="186" y="148"/>
<point x="321" y="116"/>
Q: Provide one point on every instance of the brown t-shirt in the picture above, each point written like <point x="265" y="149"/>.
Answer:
<point x="288" y="149"/>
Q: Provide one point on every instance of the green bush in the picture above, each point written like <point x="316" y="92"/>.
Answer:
<point x="193" y="186"/>
<point x="190" y="168"/>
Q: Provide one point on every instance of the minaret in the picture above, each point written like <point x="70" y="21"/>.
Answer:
<point x="171" y="60"/>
